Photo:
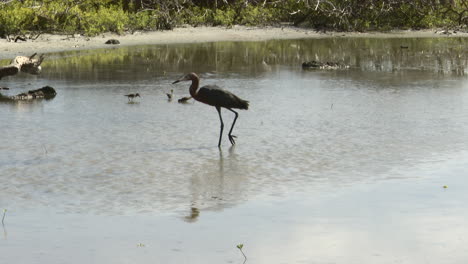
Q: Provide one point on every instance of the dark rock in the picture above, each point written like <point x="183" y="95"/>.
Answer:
<point x="323" y="65"/>
<point x="112" y="41"/>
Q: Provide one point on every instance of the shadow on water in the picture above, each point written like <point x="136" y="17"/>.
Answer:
<point x="184" y="149"/>
<point x="5" y="234"/>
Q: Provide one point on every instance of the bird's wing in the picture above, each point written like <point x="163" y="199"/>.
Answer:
<point x="215" y="96"/>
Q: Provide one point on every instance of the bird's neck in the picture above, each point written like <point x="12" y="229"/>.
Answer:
<point x="194" y="87"/>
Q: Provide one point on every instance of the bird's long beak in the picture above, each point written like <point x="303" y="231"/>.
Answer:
<point x="176" y="82"/>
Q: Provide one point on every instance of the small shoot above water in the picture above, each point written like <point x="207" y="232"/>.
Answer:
<point x="240" y="246"/>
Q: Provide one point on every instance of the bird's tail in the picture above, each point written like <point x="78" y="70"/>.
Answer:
<point x="243" y="104"/>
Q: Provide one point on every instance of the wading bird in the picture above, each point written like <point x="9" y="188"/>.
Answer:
<point x="131" y="96"/>
<point x="169" y="95"/>
<point x="217" y="97"/>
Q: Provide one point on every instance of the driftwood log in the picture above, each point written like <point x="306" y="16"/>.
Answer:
<point x="25" y="64"/>
<point x="31" y="65"/>
<point x="45" y="92"/>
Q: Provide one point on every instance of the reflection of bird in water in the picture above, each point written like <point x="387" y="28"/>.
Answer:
<point x="131" y="96"/>
<point x="169" y="95"/>
<point x="194" y="213"/>
<point x="265" y="66"/>
<point x="184" y="99"/>
<point x="217" y="97"/>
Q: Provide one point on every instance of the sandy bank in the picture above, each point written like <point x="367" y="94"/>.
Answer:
<point x="54" y="43"/>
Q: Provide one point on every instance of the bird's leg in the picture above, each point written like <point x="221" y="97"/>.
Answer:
<point x="231" y="137"/>
<point x="222" y="126"/>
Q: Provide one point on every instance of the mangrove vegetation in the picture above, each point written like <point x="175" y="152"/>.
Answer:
<point x="89" y="17"/>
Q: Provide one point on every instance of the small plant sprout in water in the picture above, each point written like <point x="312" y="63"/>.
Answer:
<point x="3" y="218"/>
<point x="240" y="246"/>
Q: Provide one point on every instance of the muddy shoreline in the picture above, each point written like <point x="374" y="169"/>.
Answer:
<point x="48" y="43"/>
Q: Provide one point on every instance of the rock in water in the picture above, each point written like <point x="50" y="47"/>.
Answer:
<point x="323" y="65"/>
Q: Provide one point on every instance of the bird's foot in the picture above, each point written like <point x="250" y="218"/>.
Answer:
<point x="231" y="138"/>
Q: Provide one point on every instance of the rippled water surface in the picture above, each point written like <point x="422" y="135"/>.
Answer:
<point x="330" y="166"/>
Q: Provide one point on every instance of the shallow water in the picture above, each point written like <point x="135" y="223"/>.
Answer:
<point x="341" y="166"/>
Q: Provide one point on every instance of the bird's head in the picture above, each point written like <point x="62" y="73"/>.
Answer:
<point x="137" y="94"/>
<point x="187" y="77"/>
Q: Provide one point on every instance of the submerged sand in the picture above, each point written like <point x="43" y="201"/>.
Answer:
<point x="47" y="43"/>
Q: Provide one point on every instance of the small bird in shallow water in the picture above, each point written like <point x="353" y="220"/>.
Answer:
<point x="217" y="97"/>
<point x="169" y="95"/>
<point x="131" y="96"/>
<point x="184" y="99"/>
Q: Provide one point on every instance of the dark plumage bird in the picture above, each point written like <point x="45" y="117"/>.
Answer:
<point x="217" y="97"/>
<point x="131" y="96"/>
